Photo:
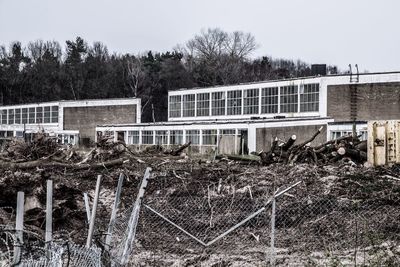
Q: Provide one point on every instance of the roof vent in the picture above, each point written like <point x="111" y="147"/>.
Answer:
<point x="318" y="69"/>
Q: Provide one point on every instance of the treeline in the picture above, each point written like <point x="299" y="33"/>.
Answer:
<point x="44" y="71"/>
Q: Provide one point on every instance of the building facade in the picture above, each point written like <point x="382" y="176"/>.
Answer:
<point x="72" y="121"/>
<point x="246" y="117"/>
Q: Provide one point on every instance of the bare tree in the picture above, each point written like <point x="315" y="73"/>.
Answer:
<point x="208" y="44"/>
<point x="135" y="71"/>
<point x="37" y="49"/>
<point x="218" y="54"/>
<point x="240" y="44"/>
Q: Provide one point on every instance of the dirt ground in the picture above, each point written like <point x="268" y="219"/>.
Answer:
<point x="314" y="220"/>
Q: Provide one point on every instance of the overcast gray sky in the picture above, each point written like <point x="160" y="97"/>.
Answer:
<point x="317" y="31"/>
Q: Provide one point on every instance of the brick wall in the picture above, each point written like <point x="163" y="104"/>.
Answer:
<point x="265" y="135"/>
<point x="379" y="101"/>
<point x="85" y="119"/>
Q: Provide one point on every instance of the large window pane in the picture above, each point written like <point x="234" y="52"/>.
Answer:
<point x="24" y="116"/>
<point x="218" y="103"/>
<point x="209" y="137"/>
<point x="289" y="99"/>
<point x="234" y="102"/>
<point x="133" y="137"/>
<point x="250" y="99"/>
<point x="175" y="106"/>
<point x="17" y="116"/>
<point x="193" y="136"/>
<point x="31" y="115"/>
<point x="176" y="137"/>
<point x="10" y="116"/>
<point x="269" y="100"/>
<point x="309" y="97"/>
<point x="4" y="118"/>
<point x="39" y="115"/>
<point x="46" y="115"/>
<point x="54" y="114"/>
<point x="203" y="104"/>
<point x="147" y="138"/>
<point x="161" y="137"/>
<point x="188" y="105"/>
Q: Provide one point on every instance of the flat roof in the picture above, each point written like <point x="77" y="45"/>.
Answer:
<point x="289" y="79"/>
<point x="70" y="101"/>
<point x="207" y="122"/>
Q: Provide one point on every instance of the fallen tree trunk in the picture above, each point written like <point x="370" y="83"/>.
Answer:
<point x="178" y="151"/>
<point x="237" y="158"/>
<point x="54" y="164"/>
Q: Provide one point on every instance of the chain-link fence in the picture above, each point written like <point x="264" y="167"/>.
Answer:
<point x="203" y="223"/>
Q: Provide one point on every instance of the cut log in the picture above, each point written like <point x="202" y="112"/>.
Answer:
<point x="289" y="143"/>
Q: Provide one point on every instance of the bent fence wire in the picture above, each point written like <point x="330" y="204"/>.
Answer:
<point x="222" y="226"/>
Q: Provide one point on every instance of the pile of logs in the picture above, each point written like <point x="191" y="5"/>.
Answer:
<point x="345" y="147"/>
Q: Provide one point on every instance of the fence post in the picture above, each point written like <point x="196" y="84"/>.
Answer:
<point x="114" y="211"/>
<point x="133" y="220"/>
<point x="87" y="206"/>
<point x="49" y="215"/>
<point x="91" y="225"/>
<point x="272" y="258"/>
<point x="19" y="227"/>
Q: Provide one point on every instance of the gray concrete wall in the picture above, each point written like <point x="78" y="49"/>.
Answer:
<point x="264" y="136"/>
<point x="379" y="101"/>
<point x="85" y="119"/>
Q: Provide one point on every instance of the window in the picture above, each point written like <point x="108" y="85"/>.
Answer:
<point x="24" y="115"/>
<point x="234" y="102"/>
<point x="250" y="101"/>
<point x="218" y="103"/>
<point x="147" y="138"/>
<point x="109" y="134"/>
<point x="4" y="116"/>
<point x="193" y="136"/>
<point x="176" y="137"/>
<point x="46" y="115"/>
<point x="161" y="137"/>
<point x="175" y="106"/>
<point x="133" y="137"/>
<point x="10" y="116"/>
<point x="363" y="134"/>
<point x="17" y="116"/>
<point x="289" y="98"/>
<point x="209" y="137"/>
<point x="54" y="114"/>
<point x="203" y="104"/>
<point x="19" y="134"/>
<point x="309" y="97"/>
<point x="31" y="115"/>
<point x="39" y="115"/>
<point x="228" y="132"/>
<point x="269" y="100"/>
<point x="188" y="105"/>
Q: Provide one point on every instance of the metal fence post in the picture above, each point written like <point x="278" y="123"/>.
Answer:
<point x="134" y="218"/>
<point x="19" y="227"/>
<point x="91" y="225"/>
<point x="272" y="258"/>
<point x="49" y="215"/>
<point x="87" y="206"/>
<point x="114" y="211"/>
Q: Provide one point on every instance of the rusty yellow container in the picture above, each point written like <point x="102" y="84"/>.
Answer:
<point x="383" y="142"/>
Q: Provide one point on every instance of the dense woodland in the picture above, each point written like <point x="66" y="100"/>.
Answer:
<point x="47" y="71"/>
